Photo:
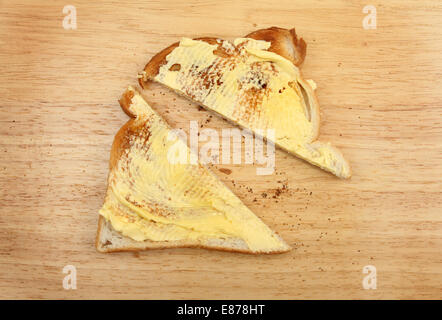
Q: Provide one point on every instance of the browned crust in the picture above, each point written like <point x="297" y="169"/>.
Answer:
<point x="283" y="42"/>
<point x="131" y="127"/>
<point x="125" y="101"/>
<point x="120" y="143"/>
<point x="152" y="68"/>
<point x="98" y="235"/>
<point x="154" y="65"/>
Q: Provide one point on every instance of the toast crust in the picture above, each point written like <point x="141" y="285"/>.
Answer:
<point x="283" y="42"/>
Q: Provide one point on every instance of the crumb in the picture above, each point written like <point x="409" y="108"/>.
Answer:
<point x="225" y="171"/>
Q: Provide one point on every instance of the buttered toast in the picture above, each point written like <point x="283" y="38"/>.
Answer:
<point x="153" y="201"/>
<point x="254" y="82"/>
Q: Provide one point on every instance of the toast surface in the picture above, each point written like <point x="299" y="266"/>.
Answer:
<point x="155" y="201"/>
<point x="255" y="83"/>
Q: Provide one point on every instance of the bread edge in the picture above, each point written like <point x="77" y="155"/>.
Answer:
<point x="104" y="226"/>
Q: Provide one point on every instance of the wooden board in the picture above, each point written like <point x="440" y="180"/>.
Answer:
<point x="381" y="101"/>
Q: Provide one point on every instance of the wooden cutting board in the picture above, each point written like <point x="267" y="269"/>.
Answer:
<point x="380" y="92"/>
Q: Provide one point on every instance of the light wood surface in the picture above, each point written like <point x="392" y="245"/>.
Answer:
<point x="381" y="101"/>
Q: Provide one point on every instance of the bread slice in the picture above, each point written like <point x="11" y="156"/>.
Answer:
<point x="255" y="83"/>
<point x="156" y="200"/>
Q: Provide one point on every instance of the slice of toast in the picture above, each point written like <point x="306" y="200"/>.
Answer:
<point x="255" y="83"/>
<point x="156" y="199"/>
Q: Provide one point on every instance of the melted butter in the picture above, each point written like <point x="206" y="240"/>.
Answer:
<point x="150" y="198"/>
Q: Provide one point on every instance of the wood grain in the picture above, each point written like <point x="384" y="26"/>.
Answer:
<point x="381" y="101"/>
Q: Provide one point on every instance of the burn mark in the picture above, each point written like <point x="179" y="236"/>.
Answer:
<point x="197" y="82"/>
<point x="107" y="243"/>
<point x="225" y="171"/>
<point x="254" y="88"/>
<point x="222" y="52"/>
<point x="175" y="67"/>
<point x="204" y="80"/>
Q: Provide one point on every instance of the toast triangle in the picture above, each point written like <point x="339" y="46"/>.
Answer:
<point x="154" y="202"/>
<point x="254" y="82"/>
